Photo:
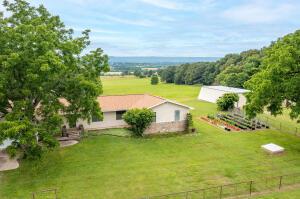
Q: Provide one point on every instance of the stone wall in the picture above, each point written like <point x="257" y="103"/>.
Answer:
<point x="165" y="127"/>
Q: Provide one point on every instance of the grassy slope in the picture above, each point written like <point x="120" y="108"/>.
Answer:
<point x="282" y="122"/>
<point x="118" y="167"/>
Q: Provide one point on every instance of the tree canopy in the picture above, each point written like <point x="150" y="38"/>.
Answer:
<point x="236" y="69"/>
<point x="41" y="62"/>
<point x="279" y="79"/>
<point x="226" y="102"/>
<point x="232" y="70"/>
<point x="154" y="79"/>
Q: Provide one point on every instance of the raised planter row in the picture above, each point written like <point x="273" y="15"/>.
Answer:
<point x="241" y="122"/>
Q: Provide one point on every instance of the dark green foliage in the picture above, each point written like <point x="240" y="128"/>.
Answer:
<point x="168" y="74"/>
<point x="180" y="73"/>
<point x="232" y="70"/>
<point x="40" y="62"/>
<point x="139" y="120"/>
<point x="279" y="79"/>
<point x="200" y="73"/>
<point x="138" y="72"/>
<point x="189" y="122"/>
<point x="154" y="79"/>
<point x="236" y="69"/>
<point x="226" y="102"/>
<point x="196" y="73"/>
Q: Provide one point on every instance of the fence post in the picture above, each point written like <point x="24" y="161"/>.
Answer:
<point x="221" y="191"/>
<point x="280" y="125"/>
<point x="33" y="196"/>
<point x="280" y="182"/>
<point x="296" y="131"/>
<point x="250" y="187"/>
<point x="186" y="195"/>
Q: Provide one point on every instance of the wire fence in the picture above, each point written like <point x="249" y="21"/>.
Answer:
<point x="45" y="194"/>
<point x="280" y="126"/>
<point x="275" y="124"/>
<point x="246" y="189"/>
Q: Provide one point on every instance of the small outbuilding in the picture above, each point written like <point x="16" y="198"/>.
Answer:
<point x="213" y="93"/>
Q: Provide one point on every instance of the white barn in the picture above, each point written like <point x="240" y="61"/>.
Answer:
<point x="213" y="93"/>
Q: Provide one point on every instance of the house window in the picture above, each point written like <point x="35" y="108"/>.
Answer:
<point x="96" y="119"/>
<point x="177" y="115"/>
<point x="119" y="115"/>
<point x="154" y="117"/>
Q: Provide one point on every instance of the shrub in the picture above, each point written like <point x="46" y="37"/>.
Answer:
<point x="226" y="102"/>
<point x="211" y="117"/>
<point x="139" y="120"/>
<point x="154" y="79"/>
<point x="189" y="122"/>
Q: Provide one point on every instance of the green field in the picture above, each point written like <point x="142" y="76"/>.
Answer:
<point x="114" y="167"/>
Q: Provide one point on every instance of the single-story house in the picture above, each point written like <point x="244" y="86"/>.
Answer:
<point x="170" y="116"/>
<point x="213" y="93"/>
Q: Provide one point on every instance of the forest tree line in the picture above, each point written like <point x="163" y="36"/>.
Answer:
<point x="231" y="70"/>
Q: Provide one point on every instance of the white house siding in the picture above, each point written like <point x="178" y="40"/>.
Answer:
<point x="109" y="121"/>
<point x="166" y="112"/>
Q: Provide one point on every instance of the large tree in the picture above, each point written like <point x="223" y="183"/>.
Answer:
<point x="236" y="69"/>
<point x="40" y="63"/>
<point x="279" y="79"/>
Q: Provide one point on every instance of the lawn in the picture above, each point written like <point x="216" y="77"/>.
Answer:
<point x="282" y="122"/>
<point x="114" y="167"/>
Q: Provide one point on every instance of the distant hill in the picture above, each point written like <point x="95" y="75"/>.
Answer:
<point x="160" y="60"/>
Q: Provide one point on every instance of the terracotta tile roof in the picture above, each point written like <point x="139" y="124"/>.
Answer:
<point x="126" y="102"/>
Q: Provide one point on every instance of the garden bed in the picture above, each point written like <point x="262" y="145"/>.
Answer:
<point x="234" y="122"/>
<point x="242" y="122"/>
<point x="220" y="123"/>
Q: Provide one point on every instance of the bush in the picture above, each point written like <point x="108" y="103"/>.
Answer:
<point x="189" y="122"/>
<point x="211" y="117"/>
<point x="154" y="79"/>
<point x="139" y="120"/>
<point x="226" y="102"/>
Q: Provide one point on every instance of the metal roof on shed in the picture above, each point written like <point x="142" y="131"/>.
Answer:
<point x="227" y="89"/>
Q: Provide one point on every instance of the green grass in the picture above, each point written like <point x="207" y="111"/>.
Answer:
<point x="111" y="167"/>
<point x="293" y="194"/>
<point x="282" y="122"/>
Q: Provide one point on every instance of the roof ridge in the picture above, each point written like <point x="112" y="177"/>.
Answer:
<point x="120" y="95"/>
<point x="157" y="97"/>
<point x="146" y="94"/>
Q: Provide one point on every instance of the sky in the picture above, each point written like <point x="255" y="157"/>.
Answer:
<point x="193" y="28"/>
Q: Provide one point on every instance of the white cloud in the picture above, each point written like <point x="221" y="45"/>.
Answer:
<point x="259" y="12"/>
<point x="136" y="22"/>
<point x="164" y="4"/>
<point x="95" y="30"/>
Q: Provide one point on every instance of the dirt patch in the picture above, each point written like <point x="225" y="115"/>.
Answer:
<point x="6" y="163"/>
<point x="67" y="143"/>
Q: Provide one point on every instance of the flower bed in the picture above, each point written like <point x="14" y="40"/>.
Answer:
<point x="220" y="123"/>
